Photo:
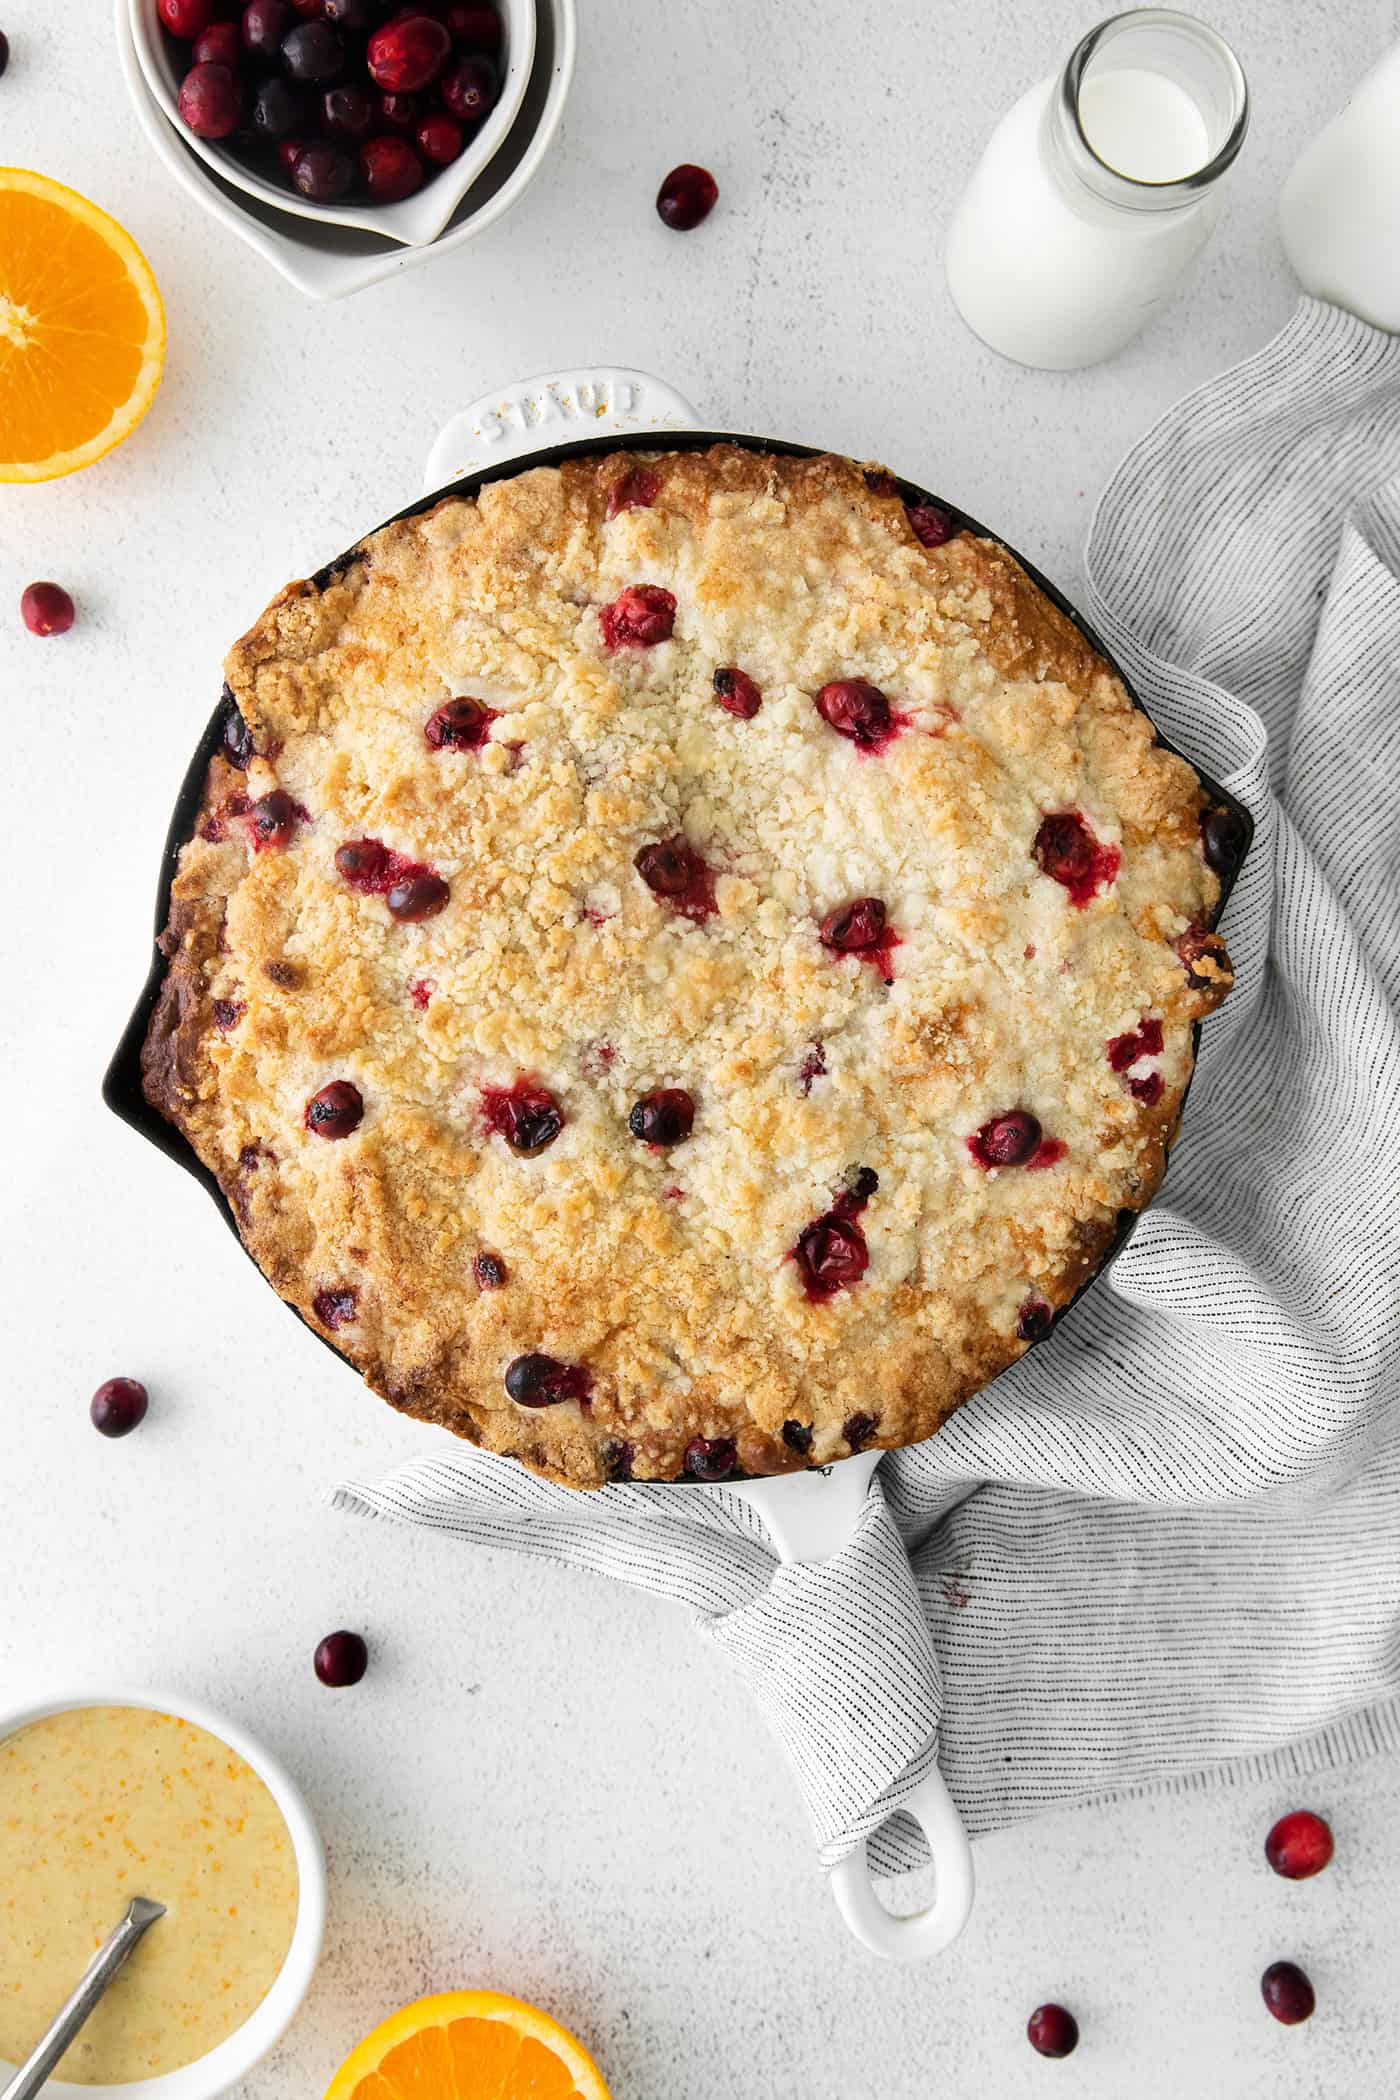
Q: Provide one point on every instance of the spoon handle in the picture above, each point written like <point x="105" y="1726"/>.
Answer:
<point x="71" y="2015"/>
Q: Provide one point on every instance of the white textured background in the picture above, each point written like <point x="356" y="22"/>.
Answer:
<point x="545" y="1784"/>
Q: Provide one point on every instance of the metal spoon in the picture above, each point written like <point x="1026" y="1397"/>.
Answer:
<point x="94" y="1980"/>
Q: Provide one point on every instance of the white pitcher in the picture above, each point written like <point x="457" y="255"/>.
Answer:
<point x="1340" y="209"/>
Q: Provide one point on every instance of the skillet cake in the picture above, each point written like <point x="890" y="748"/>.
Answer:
<point x="683" y="961"/>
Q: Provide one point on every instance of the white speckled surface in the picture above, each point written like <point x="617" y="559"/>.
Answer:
<point x="545" y="1784"/>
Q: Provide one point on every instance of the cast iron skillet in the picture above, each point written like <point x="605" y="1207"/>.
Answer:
<point x="121" y="1088"/>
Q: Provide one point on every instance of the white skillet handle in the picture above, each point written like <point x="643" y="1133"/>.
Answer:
<point x="809" y="1517"/>
<point x="923" y="1932"/>
<point x="594" y="401"/>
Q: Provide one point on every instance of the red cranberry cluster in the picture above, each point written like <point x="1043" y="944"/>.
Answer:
<point x="335" y="98"/>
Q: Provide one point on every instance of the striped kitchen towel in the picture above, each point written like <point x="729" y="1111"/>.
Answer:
<point x="1164" y="1548"/>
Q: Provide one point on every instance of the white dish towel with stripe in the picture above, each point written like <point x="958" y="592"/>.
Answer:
<point x="1167" y="1544"/>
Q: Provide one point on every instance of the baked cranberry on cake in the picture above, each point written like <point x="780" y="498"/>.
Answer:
<point x="682" y="962"/>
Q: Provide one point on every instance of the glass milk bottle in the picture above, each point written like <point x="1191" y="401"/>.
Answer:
<point x="1098" y="190"/>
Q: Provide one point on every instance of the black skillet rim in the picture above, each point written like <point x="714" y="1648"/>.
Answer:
<point x="121" y="1085"/>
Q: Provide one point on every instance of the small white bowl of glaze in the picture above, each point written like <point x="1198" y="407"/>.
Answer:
<point x="234" y="2057"/>
<point x="416" y="220"/>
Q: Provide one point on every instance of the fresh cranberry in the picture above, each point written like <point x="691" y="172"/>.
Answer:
<point x="1299" y="1845"/>
<point x="46" y="608"/>
<point x="440" y="139"/>
<point x="399" y="112"/>
<point x="1007" y="1141"/>
<point x="336" y="1111"/>
<point x="617" y="1458"/>
<point x="931" y="526"/>
<point x="118" y="1406"/>
<point x="1034" y="1320"/>
<point x="672" y="869"/>
<point x="1222" y="840"/>
<point x="490" y="1272"/>
<point x="542" y="1381"/>
<point x="309" y="10"/>
<point x="221" y="44"/>
<point x="313" y="52"/>
<point x="187" y="18"/>
<point x="857" y="710"/>
<point x="688" y="195"/>
<point x="831" y="1255"/>
<point x="858" y="1430"/>
<point x="1051" y="2031"/>
<point x="418" y="897"/>
<point x="336" y="1308"/>
<point x="1287" y="1992"/>
<point x="1144" y="1041"/>
<point x="265" y="23"/>
<point x="459" y="725"/>
<point x="278" y="110"/>
<point x="527" y="1116"/>
<point x="470" y="90"/>
<point x="736" y="692"/>
<point x="273" y="819"/>
<point x="663" y="1118"/>
<point x="341" y="1659"/>
<point x="798" y="1436"/>
<point x="289" y="152"/>
<point x="479" y="28"/>
<point x="211" y="101"/>
<point x="710" y="1457"/>
<point x="228" y="1012"/>
<point x="855" y="926"/>
<point x="347" y="14"/>
<point x="635" y="491"/>
<point x="639" y="617"/>
<point x="322" y="173"/>
<point x="1069" y="854"/>
<point x="391" y="168"/>
<point x="349" y="112"/>
<point x="407" y="53"/>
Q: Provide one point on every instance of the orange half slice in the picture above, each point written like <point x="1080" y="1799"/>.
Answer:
<point x="82" y="330"/>
<point x="469" y="2045"/>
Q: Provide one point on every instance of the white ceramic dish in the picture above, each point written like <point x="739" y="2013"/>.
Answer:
<point x="329" y="262"/>
<point x="235" y="2057"/>
<point x="809" y="1517"/>
<point x="415" y="221"/>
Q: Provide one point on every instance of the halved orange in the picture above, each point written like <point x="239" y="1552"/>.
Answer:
<point x="82" y="330"/>
<point x="469" y="2045"/>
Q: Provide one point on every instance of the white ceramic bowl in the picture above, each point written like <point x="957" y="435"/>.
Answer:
<point x="329" y="262"/>
<point x="248" y="2044"/>
<point x="418" y="219"/>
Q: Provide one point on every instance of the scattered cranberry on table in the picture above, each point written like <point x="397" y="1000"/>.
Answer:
<point x="46" y="608"/>
<point x="688" y="195"/>
<point x="341" y="1659"/>
<point x="1051" y="2031"/>
<point x="1299" y="1845"/>
<point x="1287" y="1993"/>
<point x="118" y="1406"/>
<point x="334" y="98"/>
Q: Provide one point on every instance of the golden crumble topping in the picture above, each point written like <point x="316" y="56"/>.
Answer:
<point x="680" y="965"/>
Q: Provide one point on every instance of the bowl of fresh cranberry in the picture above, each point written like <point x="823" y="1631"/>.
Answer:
<point x="363" y="113"/>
